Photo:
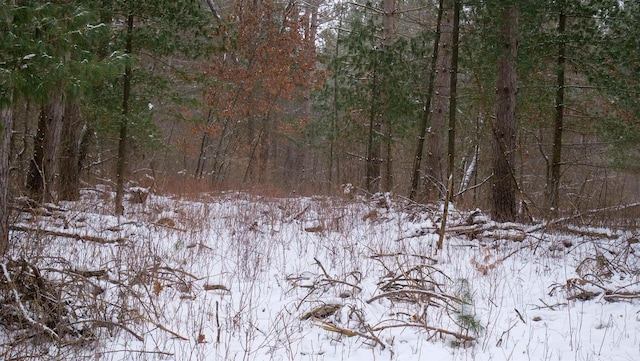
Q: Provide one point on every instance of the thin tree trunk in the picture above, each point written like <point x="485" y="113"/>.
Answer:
<point x="122" y="141"/>
<point x="426" y="114"/>
<point x="6" y="128"/>
<point x="334" y="113"/>
<point x="553" y="183"/>
<point x="434" y="172"/>
<point x="388" y="39"/>
<point x="453" y="86"/>
<point x="504" y="187"/>
<point x="372" y="179"/>
<point x="204" y="144"/>
<point x="453" y="90"/>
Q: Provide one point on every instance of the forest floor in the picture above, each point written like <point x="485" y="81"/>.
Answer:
<point x="235" y="276"/>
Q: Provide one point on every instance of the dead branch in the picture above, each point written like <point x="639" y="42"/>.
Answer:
<point x="443" y="298"/>
<point x="75" y="236"/>
<point x="163" y="328"/>
<point x="333" y="280"/>
<point x="349" y="333"/>
<point x="429" y="328"/>
<point x="580" y="215"/>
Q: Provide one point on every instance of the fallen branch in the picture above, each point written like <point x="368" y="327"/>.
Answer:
<point x="75" y="236"/>
<point x="349" y="333"/>
<point x="557" y="221"/>
<point x="429" y="328"/>
<point x="443" y="298"/>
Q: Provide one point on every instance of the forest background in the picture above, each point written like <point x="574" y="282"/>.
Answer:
<point x="526" y="108"/>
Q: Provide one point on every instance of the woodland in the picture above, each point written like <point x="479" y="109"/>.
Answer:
<point x="527" y="111"/>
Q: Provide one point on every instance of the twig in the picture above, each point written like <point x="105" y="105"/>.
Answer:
<point x="104" y="323"/>
<point x="163" y="328"/>
<point x="333" y="280"/>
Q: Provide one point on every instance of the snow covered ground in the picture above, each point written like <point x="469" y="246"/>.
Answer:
<point x="236" y="276"/>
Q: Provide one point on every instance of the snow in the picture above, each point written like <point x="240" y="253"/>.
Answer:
<point x="233" y="275"/>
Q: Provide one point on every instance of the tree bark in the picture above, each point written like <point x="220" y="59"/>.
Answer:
<point x="504" y="187"/>
<point x="122" y="141"/>
<point x="553" y="182"/>
<point x="426" y="113"/>
<point x="6" y="118"/>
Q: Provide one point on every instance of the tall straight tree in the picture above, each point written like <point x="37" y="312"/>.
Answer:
<point x="553" y="178"/>
<point x="504" y="186"/>
<point x="6" y="126"/>
<point x="376" y="118"/>
<point x="434" y="170"/>
<point x="124" y="121"/>
<point x="426" y="112"/>
<point x="453" y="101"/>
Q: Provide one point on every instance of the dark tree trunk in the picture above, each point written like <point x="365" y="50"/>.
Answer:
<point x="69" y="167"/>
<point x="44" y="163"/>
<point x="204" y="145"/>
<point x="553" y="183"/>
<point x="504" y="186"/>
<point x="426" y="114"/>
<point x="122" y="141"/>
<point x="6" y="127"/>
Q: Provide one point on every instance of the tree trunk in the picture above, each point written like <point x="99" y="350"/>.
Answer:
<point x="43" y="165"/>
<point x="373" y="143"/>
<point x="68" y="184"/>
<point x="434" y="173"/>
<point x="204" y="145"/>
<point x="122" y="141"/>
<point x="453" y="101"/>
<point x="388" y="38"/>
<point x="424" y="119"/>
<point x="504" y="187"/>
<point x="553" y="182"/>
<point x="6" y="127"/>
